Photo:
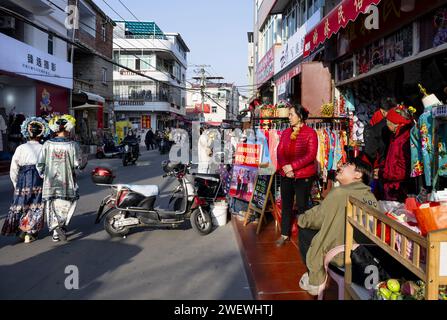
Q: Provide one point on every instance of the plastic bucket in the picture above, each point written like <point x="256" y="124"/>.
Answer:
<point x="219" y="213"/>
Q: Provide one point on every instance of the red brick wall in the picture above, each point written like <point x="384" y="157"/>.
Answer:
<point x="98" y="43"/>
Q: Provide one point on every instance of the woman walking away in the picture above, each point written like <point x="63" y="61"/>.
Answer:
<point x="297" y="152"/>
<point x="57" y="162"/>
<point x="26" y="216"/>
<point x="149" y="140"/>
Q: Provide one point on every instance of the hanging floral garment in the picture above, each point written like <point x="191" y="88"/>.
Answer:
<point x="417" y="167"/>
<point x="422" y="149"/>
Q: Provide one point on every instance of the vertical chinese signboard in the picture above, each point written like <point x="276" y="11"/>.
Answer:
<point x="145" y="122"/>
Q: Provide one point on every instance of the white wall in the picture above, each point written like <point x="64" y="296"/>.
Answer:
<point x="54" y="22"/>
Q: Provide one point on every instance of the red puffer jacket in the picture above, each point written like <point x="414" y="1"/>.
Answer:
<point x="301" y="153"/>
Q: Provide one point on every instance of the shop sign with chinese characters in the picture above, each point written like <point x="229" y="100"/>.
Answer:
<point x="339" y="17"/>
<point x="32" y="63"/>
<point x="265" y="67"/>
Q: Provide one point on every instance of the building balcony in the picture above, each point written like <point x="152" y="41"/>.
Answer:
<point x="150" y="44"/>
<point x="140" y="99"/>
<point x="123" y="74"/>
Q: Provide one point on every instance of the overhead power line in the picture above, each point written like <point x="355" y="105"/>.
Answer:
<point x="83" y="47"/>
<point x="121" y="48"/>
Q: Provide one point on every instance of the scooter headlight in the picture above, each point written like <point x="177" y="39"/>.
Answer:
<point x="126" y="148"/>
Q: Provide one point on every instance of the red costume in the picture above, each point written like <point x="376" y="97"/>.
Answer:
<point x="396" y="172"/>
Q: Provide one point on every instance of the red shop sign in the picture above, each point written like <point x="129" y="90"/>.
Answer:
<point x="51" y="99"/>
<point x="339" y="17"/>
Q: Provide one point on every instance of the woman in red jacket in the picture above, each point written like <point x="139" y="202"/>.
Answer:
<point x="297" y="152"/>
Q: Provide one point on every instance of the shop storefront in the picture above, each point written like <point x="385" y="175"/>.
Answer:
<point x="89" y="114"/>
<point x="288" y="60"/>
<point x="405" y="59"/>
<point x="408" y="52"/>
<point x="264" y="73"/>
<point x="32" y="83"/>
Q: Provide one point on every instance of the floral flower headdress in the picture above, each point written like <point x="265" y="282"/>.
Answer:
<point x="68" y="122"/>
<point x="26" y="130"/>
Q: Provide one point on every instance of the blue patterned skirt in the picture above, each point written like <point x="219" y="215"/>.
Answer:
<point x="26" y="212"/>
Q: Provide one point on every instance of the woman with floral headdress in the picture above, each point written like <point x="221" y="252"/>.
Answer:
<point x="26" y="214"/>
<point x="397" y="168"/>
<point x="57" y="162"/>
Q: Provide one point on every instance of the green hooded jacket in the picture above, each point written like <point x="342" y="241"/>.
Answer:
<point x="330" y="219"/>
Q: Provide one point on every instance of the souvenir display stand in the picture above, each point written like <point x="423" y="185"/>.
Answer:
<point x="433" y="271"/>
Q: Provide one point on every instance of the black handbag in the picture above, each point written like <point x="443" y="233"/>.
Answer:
<point x="368" y="255"/>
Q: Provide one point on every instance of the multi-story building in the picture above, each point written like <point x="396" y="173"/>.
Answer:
<point x="251" y="64"/>
<point x="279" y="31"/>
<point x="35" y="75"/>
<point x="93" y="76"/>
<point x="221" y="102"/>
<point x="158" y="100"/>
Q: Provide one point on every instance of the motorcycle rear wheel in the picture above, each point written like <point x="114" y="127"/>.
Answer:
<point x="110" y="228"/>
<point x="200" y="225"/>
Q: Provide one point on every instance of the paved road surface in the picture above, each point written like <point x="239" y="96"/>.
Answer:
<point x="148" y="264"/>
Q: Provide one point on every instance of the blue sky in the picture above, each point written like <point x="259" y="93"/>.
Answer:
<point x="214" y="30"/>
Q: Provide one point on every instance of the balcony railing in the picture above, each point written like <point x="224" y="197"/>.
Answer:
<point x="139" y="99"/>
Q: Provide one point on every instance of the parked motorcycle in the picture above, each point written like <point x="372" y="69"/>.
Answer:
<point x="131" y="206"/>
<point x="109" y="150"/>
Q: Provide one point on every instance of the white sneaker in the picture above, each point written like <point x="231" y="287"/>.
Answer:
<point x="305" y="285"/>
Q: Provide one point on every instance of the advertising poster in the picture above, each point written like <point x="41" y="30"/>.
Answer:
<point x="246" y="162"/>
<point x="242" y="182"/>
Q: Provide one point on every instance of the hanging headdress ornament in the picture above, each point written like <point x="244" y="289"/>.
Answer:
<point x="67" y="122"/>
<point x="34" y="127"/>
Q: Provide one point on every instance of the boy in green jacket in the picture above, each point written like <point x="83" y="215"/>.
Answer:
<point x="322" y="228"/>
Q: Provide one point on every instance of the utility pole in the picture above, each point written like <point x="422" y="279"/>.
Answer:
<point x="203" y="81"/>
<point x="202" y="92"/>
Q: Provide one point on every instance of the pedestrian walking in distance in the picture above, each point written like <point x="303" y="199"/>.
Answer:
<point x="26" y="214"/>
<point x="57" y="162"/>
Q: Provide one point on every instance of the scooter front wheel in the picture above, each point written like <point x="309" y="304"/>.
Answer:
<point x="202" y="225"/>
<point x="109" y="224"/>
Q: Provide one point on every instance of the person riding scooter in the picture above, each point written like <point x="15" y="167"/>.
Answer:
<point x="131" y="141"/>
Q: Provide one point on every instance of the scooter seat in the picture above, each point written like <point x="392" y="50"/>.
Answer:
<point x="147" y="191"/>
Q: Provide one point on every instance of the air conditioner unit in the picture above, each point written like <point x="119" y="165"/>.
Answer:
<point x="7" y="22"/>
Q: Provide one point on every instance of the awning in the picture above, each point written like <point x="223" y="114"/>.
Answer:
<point x="88" y="106"/>
<point x="94" y="97"/>
<point x="84" y="97"/>
<point x="213" y="123"/>
<point x="339" y="17"/>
